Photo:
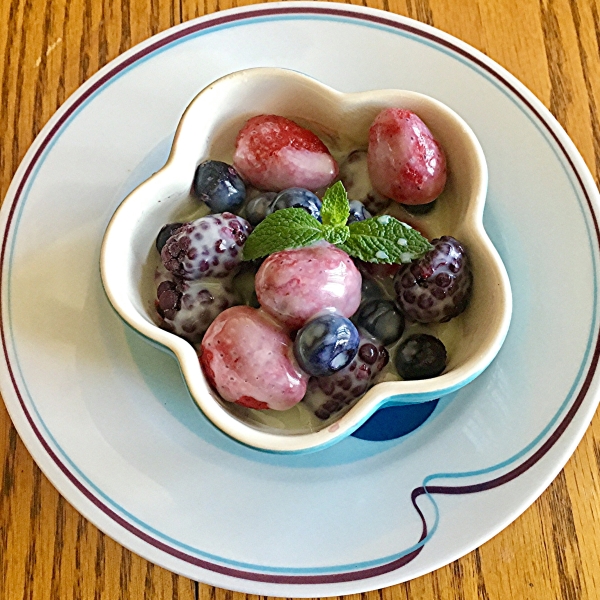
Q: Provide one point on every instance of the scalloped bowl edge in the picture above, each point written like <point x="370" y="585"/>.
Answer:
<point x="217" y="112"/>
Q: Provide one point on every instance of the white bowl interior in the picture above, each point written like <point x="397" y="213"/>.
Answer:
<point x="208" y="129"/>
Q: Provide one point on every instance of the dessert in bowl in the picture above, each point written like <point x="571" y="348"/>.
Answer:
<point x="212" y="129"/>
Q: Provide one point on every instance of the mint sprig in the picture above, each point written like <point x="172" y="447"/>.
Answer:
<point x="386" y="239"/>
<point x="381" y="239"/>
<point x="281" y="230"/>
<point x="336" y="208"/>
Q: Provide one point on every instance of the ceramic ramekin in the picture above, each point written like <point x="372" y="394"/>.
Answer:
<point x="208" y="129"/>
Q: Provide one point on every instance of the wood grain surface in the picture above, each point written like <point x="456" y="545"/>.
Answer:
<point x="47" y="550"/>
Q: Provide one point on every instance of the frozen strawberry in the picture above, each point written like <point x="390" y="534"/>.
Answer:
<point x="248" y="358"/>
<point x="405" y="161"/>
<point x="295" y="285"/>
<point x="273" y="153"/>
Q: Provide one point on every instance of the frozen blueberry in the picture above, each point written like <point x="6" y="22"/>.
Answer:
<point x="370" y="289"/>
<point x="343" y="388"/>
<point x="420" y="356"/>
<point x="165" y="233"/>
<point x="382" y="320"/>
<point x="259" y="207"/>
<point x="419" y="209"/>
<point x="326" y="344"/>
<point x="358" y="212"/>
<point x="298" y="198"/>
<point x="219" y="185"/>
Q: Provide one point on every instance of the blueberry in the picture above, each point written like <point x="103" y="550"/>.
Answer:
<point x="370" y="289"/>
<point x="358" y="212"/>
<point x="219" y="186"/>
<point x="165" y="233"/>
<point x="382" y="320"/>
<point x="420" y="209"/>
<point x="326" y="344"/>
<point x="343" y="388"/>
<point x="420" y="356"/>
<point x="298" y="198"/>
<point x="259" y="207"/>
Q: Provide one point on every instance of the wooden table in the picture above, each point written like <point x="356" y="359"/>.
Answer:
<point x="48" y="48"/>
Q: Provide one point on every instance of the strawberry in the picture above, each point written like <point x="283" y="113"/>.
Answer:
<point x="248" y="358"/>
<point x="405" y="161"/>
<point x="273" y="153"/>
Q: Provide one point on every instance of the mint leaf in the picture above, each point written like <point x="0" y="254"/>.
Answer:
<point x="384" y="239"/>
<point x="335" y="235"/>
<point x="336" y="208"/>
<point x="283" y="229"/>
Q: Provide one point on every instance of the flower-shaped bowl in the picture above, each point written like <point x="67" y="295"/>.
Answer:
<point x="207" y="130"/>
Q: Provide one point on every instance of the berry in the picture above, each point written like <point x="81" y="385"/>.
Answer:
<point x="349" y="384"/>
<point x="382" y="320"/>
<point x="420" y="209"/>
<point x="298" y="198"/>
<point x="420" y="356"/>
<point x="326" y="344"/>
<point x="370" y="289"/>
<point x="248" y="359"/>
<point x="378" y="271"/>
<point x="274" y="153"/>
<point x="219" y="186"/>
<point x="259" y="207"/>
<point x="354" y="174"/>
<point x="295" y="285"/>
<point x="437" y="287"/>
<point x="208" y="247"/>
<point x="405" y="161"/>
<point x="187" y="308"/>
<point x="358" y="212"/>
<point x="165" y="233"/>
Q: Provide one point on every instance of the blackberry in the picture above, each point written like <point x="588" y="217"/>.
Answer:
<point x="165" y="233"/>
<point x="346" y="386"/>
<point x="187" y="308"/>
<point x="208" y="247"/>
<point x="420" y="356"/>
<point x="437" y="287"/>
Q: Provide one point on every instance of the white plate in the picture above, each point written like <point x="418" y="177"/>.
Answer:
<point x="107" y="416"/>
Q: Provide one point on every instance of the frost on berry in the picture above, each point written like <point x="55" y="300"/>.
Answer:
<point x="247" y="357"/>
<point x="208" y="247"/>
<point x="187" y="308"/>
<point x="437" y="287"/>
<point x="294" y="285"/>
<point x="345" y="387"/>
<point x="406" y="163"/>
<point x="273" y="153"/>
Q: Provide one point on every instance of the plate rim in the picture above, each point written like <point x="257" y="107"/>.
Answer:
<point x="42" y="451"/>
